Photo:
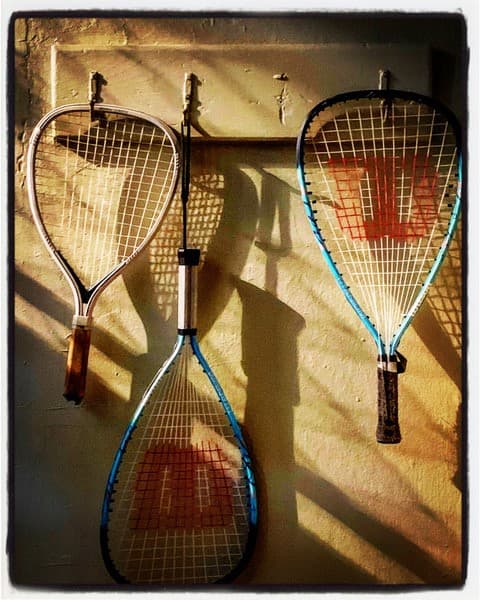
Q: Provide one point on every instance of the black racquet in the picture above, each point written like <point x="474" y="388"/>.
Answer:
<point x="380" y="174"/>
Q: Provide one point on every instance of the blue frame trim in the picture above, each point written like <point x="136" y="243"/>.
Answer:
<point x="386" y="95"/>
<point x="246" y="461"/>
<point x="332" y="266"/>
<point x="118" y="459"/>
<point x="436" y="265"/>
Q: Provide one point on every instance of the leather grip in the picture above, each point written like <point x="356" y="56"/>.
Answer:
<point x="77" y="363"/>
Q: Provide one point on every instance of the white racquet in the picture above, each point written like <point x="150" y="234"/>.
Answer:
<point x="99" y="181"/>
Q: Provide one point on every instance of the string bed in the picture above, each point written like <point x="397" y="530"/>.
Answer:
<point x="382" y="180"/>
<point x="180" y="510"/>
<point x="101" y="186"/>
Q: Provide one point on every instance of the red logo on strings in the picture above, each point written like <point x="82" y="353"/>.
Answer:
<point x="387" y="196"/>
<point x="187" y="488"/>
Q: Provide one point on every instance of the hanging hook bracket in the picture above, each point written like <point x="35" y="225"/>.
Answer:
<point x="384" y="77"/>
<point x="94" y="85"/>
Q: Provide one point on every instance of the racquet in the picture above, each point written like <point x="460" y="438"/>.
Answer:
<point x="180" y="502"/>
<point x="100" y="180"/>
<point x="380" y="176"/>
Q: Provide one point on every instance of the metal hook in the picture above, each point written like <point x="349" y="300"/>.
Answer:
<point x="94" y="83"/>
<point x="384" y="77"/>
<point x="187" y="94"/>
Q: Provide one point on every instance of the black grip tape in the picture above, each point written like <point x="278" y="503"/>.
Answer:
<point x="189" y="257"/>
<point x="388" y="429"/>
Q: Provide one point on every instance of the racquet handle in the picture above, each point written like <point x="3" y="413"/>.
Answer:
<point x="388" y="429"/>
<point x="77" y="362"/>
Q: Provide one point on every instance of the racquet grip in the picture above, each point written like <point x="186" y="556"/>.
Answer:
<point x="77" y="362"/>
<point x="388" y="429"/>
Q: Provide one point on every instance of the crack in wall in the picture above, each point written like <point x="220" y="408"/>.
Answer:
<point x="283" y="98"/>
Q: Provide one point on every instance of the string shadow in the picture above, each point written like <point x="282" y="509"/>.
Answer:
<point x="439" y="321"/>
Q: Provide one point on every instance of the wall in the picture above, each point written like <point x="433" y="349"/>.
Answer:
<point x="299" y="370"/>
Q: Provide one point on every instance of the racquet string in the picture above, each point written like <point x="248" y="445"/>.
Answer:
<point x="180" y="512"/>
<point x="101" y="187"/>
<point x="382" y="181"/>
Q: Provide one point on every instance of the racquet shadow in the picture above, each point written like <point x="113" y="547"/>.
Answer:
<point x="270" y="362"/>
<point x="439" y="326"/>
<point x="439" y="321"/>
<point x="269" y="330"/>
<point x="151" y="280"/>
<point x="226" y="216"/>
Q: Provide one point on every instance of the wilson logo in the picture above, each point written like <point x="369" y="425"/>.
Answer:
<point x="188" y="488"/>
<point x="385" y="197"/>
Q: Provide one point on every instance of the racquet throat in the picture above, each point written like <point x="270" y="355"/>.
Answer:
<point x="396" y="363"/>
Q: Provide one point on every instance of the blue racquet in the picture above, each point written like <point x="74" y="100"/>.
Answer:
<point x="180" y="504"/>
<point x="380" y="175"/>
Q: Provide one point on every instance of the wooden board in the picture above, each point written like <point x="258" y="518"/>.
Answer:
<point x="240" y="94"/>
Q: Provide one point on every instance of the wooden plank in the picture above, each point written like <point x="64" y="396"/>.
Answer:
<point x="240" y="93"/>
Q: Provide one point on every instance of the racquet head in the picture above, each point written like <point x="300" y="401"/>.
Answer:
<point x="380" y="173"/>
<point x="180" y="504"/>
<point x="99" y="185"/>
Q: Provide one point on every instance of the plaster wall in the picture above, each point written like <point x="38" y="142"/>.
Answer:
<point x="294" y="360"/>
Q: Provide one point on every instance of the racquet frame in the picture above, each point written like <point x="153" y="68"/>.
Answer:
<point x="188" y="264"/>
<point x="85" y="298"/>
<point x="390" y="361"/>
<point x="186" y="335"/>
<point x="188" y="261"/>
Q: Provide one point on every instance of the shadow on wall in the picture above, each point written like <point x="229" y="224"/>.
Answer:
<point x="29" y="375"/>
<point x="152" y="285"/>
<point x="439" y="321"/>
<point x="270" y="362"/>
<point x="439" y="325"/>
<point x="56" y="456"/>
<point x="226" y="227"/>
<point x="399" y="548"/>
